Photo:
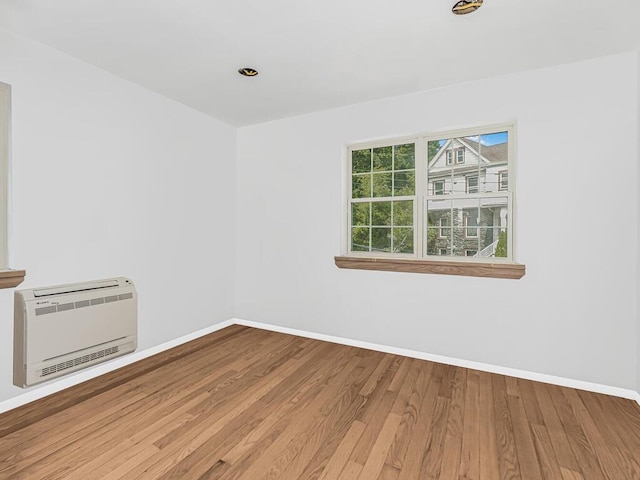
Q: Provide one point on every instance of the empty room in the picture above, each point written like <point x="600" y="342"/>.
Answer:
<point x="337" y="240"/>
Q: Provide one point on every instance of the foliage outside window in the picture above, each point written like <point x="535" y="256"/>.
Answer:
<point x="383" y="199"/>
<point x="444" y="195"/>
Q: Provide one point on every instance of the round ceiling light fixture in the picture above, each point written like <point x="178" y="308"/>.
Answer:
<point x="466" y="6"/>
<point x="248" y="71"/>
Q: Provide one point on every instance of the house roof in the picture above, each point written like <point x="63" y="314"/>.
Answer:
<point x="498" y="153"/>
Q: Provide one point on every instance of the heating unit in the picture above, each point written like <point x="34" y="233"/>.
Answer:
<point x="64" y="328"/>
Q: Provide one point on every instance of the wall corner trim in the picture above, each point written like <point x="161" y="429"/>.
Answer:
<point x="510" y="372"/>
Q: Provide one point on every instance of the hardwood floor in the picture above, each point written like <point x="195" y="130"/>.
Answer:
<point x="246" y="404"/>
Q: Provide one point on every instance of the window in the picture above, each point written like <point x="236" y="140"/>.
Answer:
<point x="382" y="204"/>
<point x="398" y="207"/>
<point x="472" y="184"/>
<point x="471" y="225"/>
<point x="444" y="231"/>
<point x="503" y="181"/>
<point x="8" y="278"/>
<point x="449" y="157"/>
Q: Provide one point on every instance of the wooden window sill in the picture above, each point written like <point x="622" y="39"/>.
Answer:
<point x="11" y="278"/>
<point x="470" y="269"/>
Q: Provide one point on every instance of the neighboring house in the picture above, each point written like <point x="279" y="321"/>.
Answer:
<point x="467" y="220"/>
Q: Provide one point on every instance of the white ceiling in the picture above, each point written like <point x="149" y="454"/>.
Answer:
<point x="314" y="55"/>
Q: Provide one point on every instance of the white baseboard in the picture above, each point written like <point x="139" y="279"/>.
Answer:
<point x="57" y="385"/>
<point x="41" y="391"/>
<point x="510" y="372"/>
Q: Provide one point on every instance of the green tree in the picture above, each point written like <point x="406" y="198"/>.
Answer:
<point x="501" y="247"/>
<point x="432" y="148"/>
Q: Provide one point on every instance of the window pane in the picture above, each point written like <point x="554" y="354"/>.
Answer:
<point x="360" y="239"/>
<point x="436" y="209"/>
<point x="472" y="184"/>
<point x="361" y="161"/>
<point x="438" y="240"/>
<point x="494" y="223"/>
<point x="439" y="163"/>
<point x="490" y="243"/>
<point x="459" y="243"/>
<point x="360" y="214"/>
<point x="494" y="150"/>
<point x="450" y="161"/>
<point x="502" y="247"/>
<point x="403" y="213"/>
<point x="439" y="231"/>
<point x="471" y="222"/>
<point x="382" y="184"/>
<point x="403" y="240"/>
<point x="383" y="158"/>
<point x="503" y="181"/>
<point x="493" y="212"/>
<point x="404" y="157"/>
<point x="361" y="186"/>
<point x="454" y="225"/>
<point x="381" y="239"/>
<point x="433" y="147"/>
<point x="381" y="213"/>
<point x="404" y="183"/>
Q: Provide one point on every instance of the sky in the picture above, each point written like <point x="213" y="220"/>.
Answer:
<point x="491" y="138"/>
<point x="487" y="139"/>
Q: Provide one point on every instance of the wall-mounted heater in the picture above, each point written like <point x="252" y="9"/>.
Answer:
<point x="64" y="328"/>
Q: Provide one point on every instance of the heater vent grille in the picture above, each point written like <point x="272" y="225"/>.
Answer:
<point x="83" y="303"/>
<point x="79" y="361"/>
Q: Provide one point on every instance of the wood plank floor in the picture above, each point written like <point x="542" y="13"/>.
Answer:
<point x="258" y="405"/>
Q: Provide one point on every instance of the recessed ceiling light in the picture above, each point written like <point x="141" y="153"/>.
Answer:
<point x="466" y="6"/>
<point x="248" y="71"/>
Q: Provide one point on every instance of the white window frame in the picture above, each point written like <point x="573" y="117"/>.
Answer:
<point x="450" y="156"/>
<point x="436" y="189"/>
<point x="456" y="151"/>
<point x="467" y="227"/>
<point x="5" y="154"/>
<point x="503" y="174"/>
<point x="423" y="195"/>
<point x="441" y="227"/>
<point x="476" y="186"/>
<point x="416" y="235"/>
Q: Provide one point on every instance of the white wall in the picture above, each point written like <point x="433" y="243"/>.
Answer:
<point x="638" y="308"/>
<point x="572" y="315"/>
<point x="110" y="179"/>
